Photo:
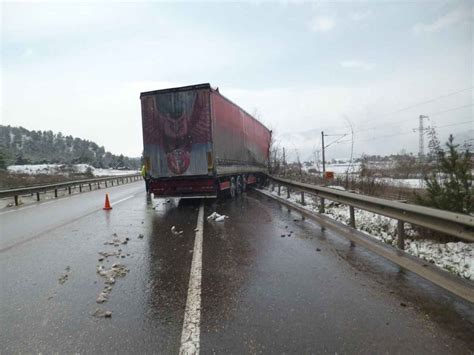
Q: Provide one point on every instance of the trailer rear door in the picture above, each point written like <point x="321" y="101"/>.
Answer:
<point x="177" y="131"/>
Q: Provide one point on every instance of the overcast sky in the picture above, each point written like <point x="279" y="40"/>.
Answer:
<point x="79" y="67"/>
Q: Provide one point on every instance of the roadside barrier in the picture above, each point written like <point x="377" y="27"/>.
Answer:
<point x="68" y="185"/>
<point x="454" y="224"/>
<point x="458" y="225"/>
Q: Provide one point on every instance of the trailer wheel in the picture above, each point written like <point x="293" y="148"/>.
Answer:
<point x="238" y="189"/>
<point x="233" y="187"/>
<point x="261" y="181"/>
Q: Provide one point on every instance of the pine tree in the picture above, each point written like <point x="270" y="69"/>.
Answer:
<point x="451" y="188"/>
<point x="3" y="160"/>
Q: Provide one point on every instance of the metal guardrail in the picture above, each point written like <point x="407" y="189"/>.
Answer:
<point x="28" y="190"/>
<point x="455" y="224"/>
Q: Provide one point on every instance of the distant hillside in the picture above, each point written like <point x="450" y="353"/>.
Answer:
<point x="19" y="146"/>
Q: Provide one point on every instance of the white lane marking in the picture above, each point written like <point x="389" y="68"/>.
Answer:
<point x="19" y="209"/>
<point x="48" y="202"/>
<point x="122" y="200"/>
<point x="54" y="201"/>
<point x="192" y="314"/>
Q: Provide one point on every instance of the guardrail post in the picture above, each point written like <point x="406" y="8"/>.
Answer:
<point x="352" y="215"/>
<point x="56" y="193"/>
<point x="287" y="192"/>
<point x="37" y="196"/>
<point x="90" y="187"/>
<point x="273" y="187"/>
<point x="80" y="187"/>
<point x="98" y="185"/>
<point x="69" y="189"/>
<point x="279" y="189"/>
<point x="321" y="205"/>
<point x="16" y="200"/>
<point x="302" y="198"/>
<point x="112" y="182"/>
<point x="105" y="183"/>
<point x="401" y="235"/>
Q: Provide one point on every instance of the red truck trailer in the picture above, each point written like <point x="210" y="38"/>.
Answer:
<point x="197" y="143"/>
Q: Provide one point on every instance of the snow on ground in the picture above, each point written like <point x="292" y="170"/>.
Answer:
<point x="413" y="183"/>
<point x="62" y="169"/>
<point x="341" y="169"/>
<point x="34" y="169"/>
<point x="457" y="258"/>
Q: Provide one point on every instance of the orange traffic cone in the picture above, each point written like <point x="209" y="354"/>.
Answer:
<point x="107" y="203"/>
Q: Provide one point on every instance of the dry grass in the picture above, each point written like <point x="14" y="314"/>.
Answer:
<point x="8" y="180"/>
<point x="370" y="186"/>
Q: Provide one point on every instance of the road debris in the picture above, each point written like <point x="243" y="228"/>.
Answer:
<point x="175" y="231"/>
<point x="106" y="254"/>
<point x="221" y="218"/>
<point x="117" y="270"/>
<point x="103" y="297"/>
<point x="140" y="236"/>
<point x="110" y="275"/>
<point x="64" y="277"/>
<point x="216" y="217"/>
<point x="101" y="313"/>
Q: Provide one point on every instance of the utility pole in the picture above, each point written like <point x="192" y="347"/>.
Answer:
<point x="316" y="159"/>
<point x="421" y="139"/>
<point x="324" y="159"/>
<point x="321" y="200"/>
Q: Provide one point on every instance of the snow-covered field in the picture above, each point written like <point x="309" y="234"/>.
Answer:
<point x="413" y="183"/>
<point x="62" y="169"/>
<point x="457" y="258"/>
<point x="341" y="170"/>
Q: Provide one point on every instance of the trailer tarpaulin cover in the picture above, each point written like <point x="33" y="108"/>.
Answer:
<point x="239" y="139"/>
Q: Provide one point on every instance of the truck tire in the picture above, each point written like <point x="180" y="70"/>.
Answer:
<point x="238" y="186"/>
<point x="233" y="187"/>
<point x="261" y="181"/>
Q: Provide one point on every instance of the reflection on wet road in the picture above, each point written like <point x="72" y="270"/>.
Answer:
<point x="271" y="282"/>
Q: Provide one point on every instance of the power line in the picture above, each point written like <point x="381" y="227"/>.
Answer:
<point x="411" y="119"/>
<point x="416" y="105"/>
<point x="405" y="132"/>
<point x="423" y="103"/>
<point x="449" y="110"/>
<point x="336" y="141"/>
<point x="456" y="124"/>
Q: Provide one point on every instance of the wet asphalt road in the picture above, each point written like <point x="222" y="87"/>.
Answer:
<point x="261" y="293"/>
